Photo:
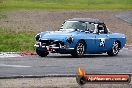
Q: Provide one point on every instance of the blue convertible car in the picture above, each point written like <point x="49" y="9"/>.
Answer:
<point x="79" y="36"/>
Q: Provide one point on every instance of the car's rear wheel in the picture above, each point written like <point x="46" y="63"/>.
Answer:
<point x="115" y="49"/>
<point x="42" y="53"/>
<point x="79" y="49"/>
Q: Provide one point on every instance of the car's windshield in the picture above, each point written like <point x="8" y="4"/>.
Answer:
<point x="90" y="27"/>
<point x="75" y="25"/>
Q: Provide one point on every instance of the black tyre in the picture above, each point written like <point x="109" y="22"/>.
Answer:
<point x="115" y="49"/>
<point x="79" y="50"/>
<point x="42" y="53"/>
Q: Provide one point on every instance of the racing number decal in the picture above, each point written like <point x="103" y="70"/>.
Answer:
<point x="102" y="42"/>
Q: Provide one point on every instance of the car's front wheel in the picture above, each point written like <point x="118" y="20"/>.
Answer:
<point x="79" y="49"/>
<point x="115" y="49"/>
<point x="42" y="53"/>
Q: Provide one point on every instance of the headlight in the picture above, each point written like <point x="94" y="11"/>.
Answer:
<point x="37" y="37"/>
<point x="70" y="40"/>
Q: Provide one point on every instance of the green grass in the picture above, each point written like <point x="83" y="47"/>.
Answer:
<point x="16" y="41"/>
<point x="66" y="4"/>
<point x="2" y="16"/>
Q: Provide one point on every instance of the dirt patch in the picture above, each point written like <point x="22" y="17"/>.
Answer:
<point x="42" y="20"/>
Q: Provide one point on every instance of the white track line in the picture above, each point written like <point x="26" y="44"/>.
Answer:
<point x="7" y="54"/>
<point x="18" y="66"/>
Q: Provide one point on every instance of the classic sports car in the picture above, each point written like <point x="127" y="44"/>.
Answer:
<point x="79" y="36"/>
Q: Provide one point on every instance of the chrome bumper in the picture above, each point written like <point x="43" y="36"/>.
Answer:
<point x="53" y="47"/>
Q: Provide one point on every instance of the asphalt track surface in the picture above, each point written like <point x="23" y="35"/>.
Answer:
<point x="55" y="64"/>
<point x="126" y="16"/>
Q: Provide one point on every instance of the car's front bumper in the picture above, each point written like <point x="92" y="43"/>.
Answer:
<point x="53" y="49"/>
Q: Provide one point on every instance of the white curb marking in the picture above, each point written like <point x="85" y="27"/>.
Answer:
<point x="7" y="54"/>
<point x="19" y="66"/>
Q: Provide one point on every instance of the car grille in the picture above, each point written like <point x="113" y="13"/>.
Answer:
<point x="51" y="42"/>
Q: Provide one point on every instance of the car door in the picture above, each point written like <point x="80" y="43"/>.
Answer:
<point x="90" y="38"/>
<point x="102" y="38"/>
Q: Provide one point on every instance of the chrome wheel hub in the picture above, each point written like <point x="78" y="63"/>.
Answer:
<point x="80" y="49"/>
<point x="115" y="48"/>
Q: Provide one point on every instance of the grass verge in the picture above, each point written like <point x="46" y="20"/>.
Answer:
<point x="11" y="41"/>
<point x="66" y="4"/>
